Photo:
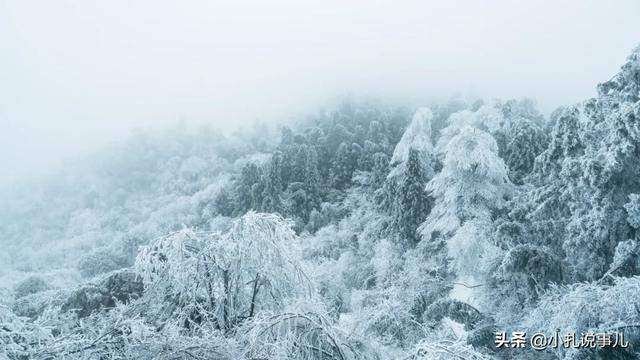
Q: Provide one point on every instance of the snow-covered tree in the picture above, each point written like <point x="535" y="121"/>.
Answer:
<point x="472" y="185"/>
<point x="344" y="164"/>
<point x="583" y="179"/>
<point x="411" y="167"/>
<point x="417" y="137"/>
<point x="488" y="118"/>
<point x="411" y="203"/>
<point x="249" y="176"/>
<point x="558" y="252"/>
<point x="526" y="140"/>
<point x="271" y="201"/>
<point x="227" y="276"/>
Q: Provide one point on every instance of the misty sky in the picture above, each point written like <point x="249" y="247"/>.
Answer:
<point x="76" y="74"/>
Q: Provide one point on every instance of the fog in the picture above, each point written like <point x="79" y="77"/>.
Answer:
<point x="75" y="75"/>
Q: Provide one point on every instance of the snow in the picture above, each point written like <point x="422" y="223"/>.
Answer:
<point x="416" y="137"/>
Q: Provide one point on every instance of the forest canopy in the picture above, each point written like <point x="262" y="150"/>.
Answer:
<point x="364" y="231"/>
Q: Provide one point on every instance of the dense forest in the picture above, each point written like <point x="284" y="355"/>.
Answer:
<point x="364" y="231"/>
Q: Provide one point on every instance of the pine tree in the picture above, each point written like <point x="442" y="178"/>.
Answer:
<point x="582" y="181"/>
<point x="344" y="165"/>
<point x="312" y="181"/>
<point x="525" y="142"/>
<point x="245" y="194"/>
<point x="417" y="136"/>
<point x="366" y="161"/>
<point x="411" y="203"/>
<point x="224" y="203"/>
<point x="271" y="201"/>
<point x="380" y="169"/>
<point x="377" y="134"/>
<point x="471" y="187"/>
<point x="411" y="168"/>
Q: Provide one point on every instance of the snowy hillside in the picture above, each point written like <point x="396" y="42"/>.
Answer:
<point x="364" y="232"/>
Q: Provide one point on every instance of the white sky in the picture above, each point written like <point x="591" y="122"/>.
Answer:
<point x="76" y="74"/>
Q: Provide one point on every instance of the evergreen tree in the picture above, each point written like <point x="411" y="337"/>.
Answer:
<point x="411" y="203"/>
<point x="471" y="187"/>
<point x="299" y="171"/>
<point x="312" y="181"/>
<point x="224" y="203"/>
<point x="338" y="134"/>
<point x="271" y="201"/>
<point x="416" y="137"/>
<point x="245" y="194"/>
<point x="525" y="142"/>
<point x="380" y="169"/>
<point x="584" y="178"/>
<point x="366" y="161"/>
<point x="344" y="165"/>
<point x="377" y="134"/>
<point x="411" y="168"/>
